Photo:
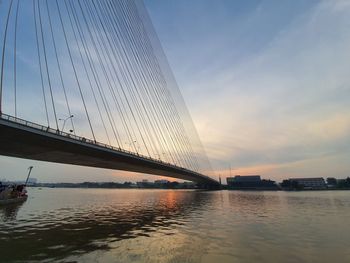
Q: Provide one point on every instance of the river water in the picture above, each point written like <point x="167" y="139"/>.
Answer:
<point x="99" y="225"/>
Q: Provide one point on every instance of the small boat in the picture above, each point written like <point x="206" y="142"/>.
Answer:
<point x="13" y="200"/>
<point x="14" y="193"/>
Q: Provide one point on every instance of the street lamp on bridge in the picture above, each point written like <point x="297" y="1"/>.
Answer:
<point x="64" y="122"/>
<point x="131" y="143"/>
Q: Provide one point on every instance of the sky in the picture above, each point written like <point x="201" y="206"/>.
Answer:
<point x="266" y="83"/>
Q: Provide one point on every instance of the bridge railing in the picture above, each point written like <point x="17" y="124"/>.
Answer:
<point x="46" y="129"/>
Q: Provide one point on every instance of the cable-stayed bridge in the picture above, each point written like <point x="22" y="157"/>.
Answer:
<point x="86" y="82"/>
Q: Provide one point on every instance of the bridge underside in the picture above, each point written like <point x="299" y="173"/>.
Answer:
<point x="20" y="141"/>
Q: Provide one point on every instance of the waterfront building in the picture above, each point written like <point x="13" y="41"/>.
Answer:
<point x="250" y="182"/>
<point x="331" y="182"/>
<point x="243" y="179"/>
<point x="316" y="183"/>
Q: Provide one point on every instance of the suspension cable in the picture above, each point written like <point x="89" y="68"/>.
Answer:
<point x="40" y="66"/>
<point x="74" y="69"/>
<point x="3" y="55"/>
<point x="15" y="60"/>
<point x="46" y="66"/>
<point x="59" y="68"/>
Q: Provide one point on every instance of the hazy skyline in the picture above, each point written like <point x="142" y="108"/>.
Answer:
<point x="266" y="83"/>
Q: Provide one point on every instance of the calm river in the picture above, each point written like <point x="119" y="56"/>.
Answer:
<point x="98" y="225"/>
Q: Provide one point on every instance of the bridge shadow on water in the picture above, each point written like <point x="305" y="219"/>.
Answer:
<point x="73" y="231"/>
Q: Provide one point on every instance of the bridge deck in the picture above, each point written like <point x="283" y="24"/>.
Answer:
<point x="23" y="139"/>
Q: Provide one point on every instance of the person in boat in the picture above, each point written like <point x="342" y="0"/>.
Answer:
<point x="21" y="191"/>
<point x="19" y="188"/>
<point x="17" y="191"/>
<point x="2" y="187"/>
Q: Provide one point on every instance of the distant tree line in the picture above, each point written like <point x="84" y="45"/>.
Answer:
<point x="343" y="183"/>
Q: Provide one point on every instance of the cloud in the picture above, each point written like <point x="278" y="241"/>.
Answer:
<point x="287" y="103"/>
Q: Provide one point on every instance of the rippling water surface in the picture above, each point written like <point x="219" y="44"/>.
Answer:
<point x="98" y="225"/>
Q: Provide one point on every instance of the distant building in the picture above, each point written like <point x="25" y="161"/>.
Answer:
<point x="32" y="181"/>
<point x="144" y="184"/>
<point x="161" y="181"/>
<point x="188" y="185"/>
<point x="316" y="183"/>
<point x="250" y="182"/>
<point x="243" y="179"/>
<point x="331" y="182"/>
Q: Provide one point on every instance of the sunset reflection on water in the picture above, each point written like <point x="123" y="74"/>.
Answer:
<point x="100" y="225"/>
